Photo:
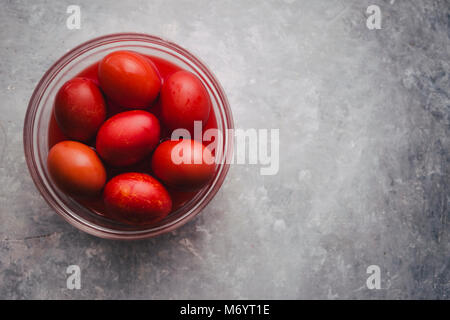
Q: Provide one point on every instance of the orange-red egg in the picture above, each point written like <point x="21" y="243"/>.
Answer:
<point x="185" y="164"/>
<point x="184" y="99"/>
<point x="76" y="168"/>
<point x="128" y="137"/>
<point x="79" y="109"/>
<point x="136" y="198"/>
<point x="129" y="79"/>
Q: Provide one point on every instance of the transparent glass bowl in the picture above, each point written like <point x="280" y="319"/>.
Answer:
<point x="37" y="122"/>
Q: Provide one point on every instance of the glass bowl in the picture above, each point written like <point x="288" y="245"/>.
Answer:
<point x="37" y="122"/>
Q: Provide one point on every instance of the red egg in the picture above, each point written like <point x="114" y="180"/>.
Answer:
<point x="136" y="198"/>
<point x="184" y="164"/>
<point x="128" y="137"/>
<point x="184" y="100"/>
<point x="79" y="109"/>
<point x="76" y="168"/>
<point x="129" y="79"/>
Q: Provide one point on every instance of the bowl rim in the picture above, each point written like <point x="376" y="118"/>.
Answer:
<point x="41" y="87"/>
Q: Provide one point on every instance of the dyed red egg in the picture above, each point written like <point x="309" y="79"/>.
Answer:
<point x="184" y="164"/>
<point x="79" y="109"/>
<point x="76" y="168"/>
<point x="129" y="79"/>
<point x="184" y="100"/>
<point x="128" y="137"/>
<point x="136" y="198"/>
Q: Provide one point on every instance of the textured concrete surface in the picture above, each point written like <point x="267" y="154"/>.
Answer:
<point x="364" y="173"/>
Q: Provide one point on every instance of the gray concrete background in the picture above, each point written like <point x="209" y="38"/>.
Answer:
<point x="364" y="174"/>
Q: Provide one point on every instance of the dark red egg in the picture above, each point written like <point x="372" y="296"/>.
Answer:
<point x="128" y="137"/>
<point x="184" y="164"/>
<point x="136" y="198"/>
<point x="184" y="99"/>
<point x="76" y="168"/>
<point x="129" y="79"/>
<point x="79" y="109"/>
